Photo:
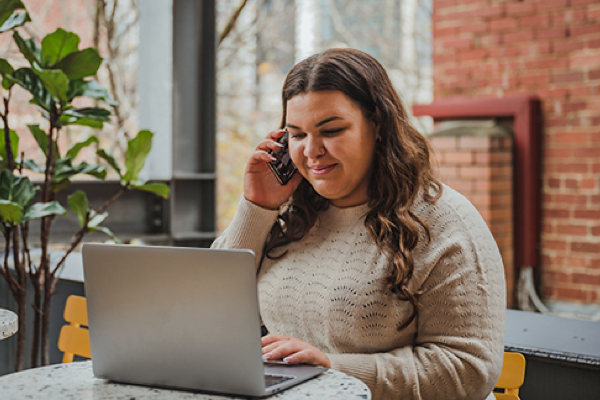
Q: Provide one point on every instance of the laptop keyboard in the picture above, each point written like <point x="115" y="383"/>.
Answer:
<point x="271" y="380"/>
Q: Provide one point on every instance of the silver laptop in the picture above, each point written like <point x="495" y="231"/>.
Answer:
<point x="180" y="317"/>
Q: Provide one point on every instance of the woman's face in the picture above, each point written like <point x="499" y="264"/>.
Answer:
<point x="332" y="144"/>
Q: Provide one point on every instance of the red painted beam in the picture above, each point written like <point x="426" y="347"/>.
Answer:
<point x="527" y="149"/>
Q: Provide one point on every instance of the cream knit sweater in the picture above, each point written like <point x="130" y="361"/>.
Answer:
<point x="328" y="291"/>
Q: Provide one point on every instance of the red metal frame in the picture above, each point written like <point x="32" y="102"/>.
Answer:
<point x="527" y="181"/>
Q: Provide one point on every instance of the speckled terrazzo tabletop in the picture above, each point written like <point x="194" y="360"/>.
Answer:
<point x="8" y="323"/>
<point x="75" y="381"/>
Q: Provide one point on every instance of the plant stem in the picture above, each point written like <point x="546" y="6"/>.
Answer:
<point x="10" y="157"/>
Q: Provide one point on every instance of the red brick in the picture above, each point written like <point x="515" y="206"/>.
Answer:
<point x="446" y="31"/>
<point x="554" y="183"/>
<point x="551" y="33"/>
<point x="478" y="54"/>
<point x="446" y="143"/>
<point x="585" y="90"/>
<point x="568" y="77"/>
<point x="571" y="199"/>
<point x="596" y="231"/>
<point x="582" y="2"/>
<point x="554" y="244"/>
<point x="547" y="63"/>
<point x="593" y="44"/>
<point x="459" y="157"/>
<point x="586" y="279"/>
<point x="568" y="45"/>
<point x="595" y="264"/>
<point x="502" y="24"/>
<point x="571" y="137"/>
<point x="584" y="30"/>
<point x="474" y="142"/>
<point x="571" y="183"/>
<point x="587" y="214"/>
<point x="488" y="11"/>
<point x="576" y="230"/>
<point x="535" y="20"/>
<point x="594" y="74"/>
<point x="558" y="153"/>
<point x="535" y="79"/>
<point x="518" y="37"/>
<point x="571" y="294"/>
<point x="476" y="27"/>
<point x="587" y="152"/>
<point x="588" y="183"/>
<point x="572" y="168"/>
<point x="592" y="60"/>
<point x="574" y="106"/>
<point x="520" y="8"/>
<point x="585" y="247"/>
<point x="551" y="4"/>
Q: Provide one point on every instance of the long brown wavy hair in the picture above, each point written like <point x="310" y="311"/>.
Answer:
<point x="401" y="165"/>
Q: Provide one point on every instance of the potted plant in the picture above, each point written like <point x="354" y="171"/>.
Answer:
<point x="58" y="73"/>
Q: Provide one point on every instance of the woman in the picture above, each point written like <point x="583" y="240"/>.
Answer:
<point x="366" y="263"/>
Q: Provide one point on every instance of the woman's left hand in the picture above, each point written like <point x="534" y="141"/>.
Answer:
<point x="292" y="351"/>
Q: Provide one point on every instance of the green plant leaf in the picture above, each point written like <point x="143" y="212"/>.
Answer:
<point x="28" y="80"/>
<point x="64" y="170"/>
<point x="107" y="232"/>
<point x="74" y="151"/>
<point x="10" y="212"/>
<point x="79" y="204"/>
<point x="7" y="182"/>
<point x="96" y="113"/>
<point x="14" y="144"/>
<point x="57" y="186"/>
<point x="110" y="158"/>
<point x="96" y="219"/>
<point x="23" y="191"/>
<point x="6" y="71"/>
<point x="33" y="166"/>
<point x="92" y="123"/>
<point x="135" y="156"/>
<point x="10" y="16"/>
<point x="28" y="48"/>
<point x="40" y="210"/>
<point x="80" y="64"/>
<point x="158" y="188"/>
<point x="91" y="89"/>
<point x="55" y="82"/>
<point x="57" y="45"/>
<point x="42" y="140"/>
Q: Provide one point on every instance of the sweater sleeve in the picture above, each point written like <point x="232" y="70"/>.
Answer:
<point x="458" y="347"/>
<point x="248" y="229"/>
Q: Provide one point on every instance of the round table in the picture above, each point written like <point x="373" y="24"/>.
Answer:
<point x="9" y="323"/>
<point x="76" y="381"/>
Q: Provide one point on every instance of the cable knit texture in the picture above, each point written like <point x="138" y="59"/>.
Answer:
<point x="328" y="290"/>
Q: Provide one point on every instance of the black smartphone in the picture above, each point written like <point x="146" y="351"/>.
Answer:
<point x="283" y="168"/>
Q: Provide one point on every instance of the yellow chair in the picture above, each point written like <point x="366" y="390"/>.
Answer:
<point x="74" y="339"/>
<point x="512" y="376"/>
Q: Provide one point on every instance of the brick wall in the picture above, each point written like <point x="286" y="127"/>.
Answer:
<point x="550" y="48"/>
<point x="481" y="169"/>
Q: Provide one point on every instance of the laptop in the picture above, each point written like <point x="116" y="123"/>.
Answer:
<point x="183" y="318"/>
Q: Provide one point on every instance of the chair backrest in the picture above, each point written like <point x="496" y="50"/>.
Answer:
<point x="74" y="339"/>
<point x="511" y="377"/>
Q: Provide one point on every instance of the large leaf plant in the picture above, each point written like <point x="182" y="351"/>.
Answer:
<point x="57" y="74"/>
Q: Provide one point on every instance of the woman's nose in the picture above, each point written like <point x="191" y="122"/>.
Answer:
<point x="313" y="148"/>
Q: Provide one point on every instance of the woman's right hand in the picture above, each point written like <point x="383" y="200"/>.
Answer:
<point x="260" y="185"/>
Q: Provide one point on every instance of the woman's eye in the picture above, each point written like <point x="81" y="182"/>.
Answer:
<point x="297" y="135"/>
<point x="332" y="131"/>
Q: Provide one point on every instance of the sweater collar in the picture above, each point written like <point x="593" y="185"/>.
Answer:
<point x="343" y="217"/>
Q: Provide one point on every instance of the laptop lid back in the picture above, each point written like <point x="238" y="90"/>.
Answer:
<point x="177" y="317"/>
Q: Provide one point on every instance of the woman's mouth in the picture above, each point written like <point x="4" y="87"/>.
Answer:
<point x="320" y="170"/>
